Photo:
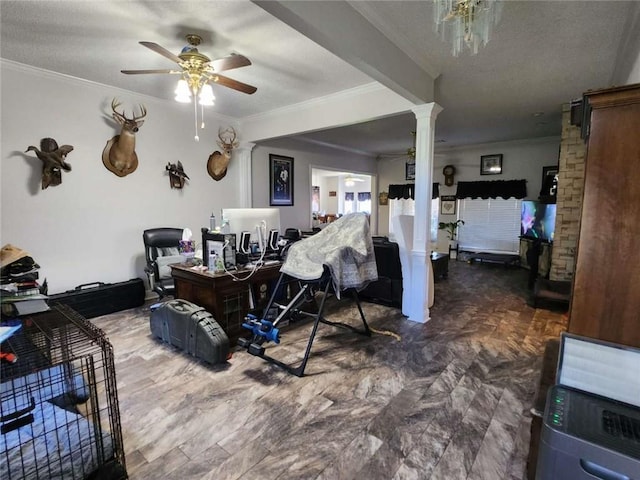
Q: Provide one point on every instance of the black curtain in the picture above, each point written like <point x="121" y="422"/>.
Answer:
<point x="408" y="191"/>
<point x="492" y="189"/>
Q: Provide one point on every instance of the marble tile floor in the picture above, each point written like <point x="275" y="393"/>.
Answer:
<point x="450" y="400"/>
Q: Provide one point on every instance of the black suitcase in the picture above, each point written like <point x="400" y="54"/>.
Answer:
<point x="94" y="299"/>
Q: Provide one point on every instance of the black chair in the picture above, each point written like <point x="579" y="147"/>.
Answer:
<point x="387" y="290"/>
<point x="161" y="248"/>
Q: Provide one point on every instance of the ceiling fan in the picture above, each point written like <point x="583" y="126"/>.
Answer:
<point x="197" y="69"/>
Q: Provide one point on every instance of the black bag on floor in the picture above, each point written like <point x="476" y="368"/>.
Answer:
<point x="94" y="299"/>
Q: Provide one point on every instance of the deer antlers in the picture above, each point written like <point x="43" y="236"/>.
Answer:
<point x="227" y="139"/>
<point x="122" y="119"/>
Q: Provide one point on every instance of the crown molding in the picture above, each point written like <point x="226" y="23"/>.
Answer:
<point x="70" y="79"/>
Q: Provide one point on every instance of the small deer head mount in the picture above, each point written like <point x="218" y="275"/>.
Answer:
<point x="53" y="161"/>
<point x="218" y="162"/>
<point x="177" y="174"/>
<point x="119" y="155"/>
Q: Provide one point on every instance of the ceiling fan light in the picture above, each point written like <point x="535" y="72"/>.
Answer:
<point x="206" y="96"/>
<point x="183" y="94"/>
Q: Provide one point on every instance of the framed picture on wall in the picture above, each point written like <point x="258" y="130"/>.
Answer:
<point x="549" y="187"/>
<point x="410" y="170"/>
<point x="448" y="205"/>
<point x="280" y="180"/>
<point x="491" y="164"/>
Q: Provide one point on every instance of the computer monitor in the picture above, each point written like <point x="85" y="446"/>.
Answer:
<point x="257" y="221"/>
<point x="603" y="368"/>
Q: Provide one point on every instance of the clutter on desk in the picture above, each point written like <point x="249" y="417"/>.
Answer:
<point x="187" y="246"/>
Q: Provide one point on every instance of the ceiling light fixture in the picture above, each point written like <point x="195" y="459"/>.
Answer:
<point x="466" y="22"/>
<point x="194" y="84"/>
<point x="198" y="72"/>
<point x="350" y="180"/>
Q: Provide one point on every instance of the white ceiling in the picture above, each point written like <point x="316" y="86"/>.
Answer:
<point x="541" y="55"/>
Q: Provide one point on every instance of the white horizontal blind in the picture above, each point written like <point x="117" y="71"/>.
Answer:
<point x="491" y="225"/>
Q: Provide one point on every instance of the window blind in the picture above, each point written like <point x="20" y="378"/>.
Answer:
<point x="491" y="225"/>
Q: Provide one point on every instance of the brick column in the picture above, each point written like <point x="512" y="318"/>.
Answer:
<point x="569" y="199"/>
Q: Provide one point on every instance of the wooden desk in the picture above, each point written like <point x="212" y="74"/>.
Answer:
<point x="227" y="300"/>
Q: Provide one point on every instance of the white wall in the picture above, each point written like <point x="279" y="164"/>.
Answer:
<point x="299" y="215"/>
<point x="89" y="228"/>
<point x="521" y="160"/>
<point x="390" y="172"/>
<point x="634" y="75"/>
<point x="329" y="204"/>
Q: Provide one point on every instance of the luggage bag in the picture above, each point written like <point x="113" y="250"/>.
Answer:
<point x="191" y="328"/>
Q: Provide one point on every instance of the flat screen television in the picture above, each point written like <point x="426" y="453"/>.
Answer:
<point x="538" y="220"/>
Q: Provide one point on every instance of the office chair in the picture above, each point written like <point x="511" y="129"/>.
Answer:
<point x="161" y="249"/>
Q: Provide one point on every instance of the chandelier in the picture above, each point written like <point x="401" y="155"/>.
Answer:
<point x="466" y="22"/>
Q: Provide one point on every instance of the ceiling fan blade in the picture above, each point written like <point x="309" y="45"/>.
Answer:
<point x="162" y="51"/>
<point x="229" y="62"/>
<point x="138" y="72"/>
<point x="231" y="83"/>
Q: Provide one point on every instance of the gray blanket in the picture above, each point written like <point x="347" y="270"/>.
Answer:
<point x="344" y="246"/>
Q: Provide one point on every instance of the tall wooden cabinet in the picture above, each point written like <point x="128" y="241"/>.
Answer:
<point x="606" y="289"/>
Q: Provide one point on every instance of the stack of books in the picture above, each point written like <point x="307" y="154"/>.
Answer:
<point x="20" y="291"/>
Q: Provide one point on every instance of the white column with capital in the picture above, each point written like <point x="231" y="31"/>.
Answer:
<point x="418" y="308"/>
<point x="244" y="164"/>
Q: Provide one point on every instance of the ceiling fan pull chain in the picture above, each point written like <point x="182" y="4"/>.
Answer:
<point x="202" y="116"/>
<point x="195" y="115"/>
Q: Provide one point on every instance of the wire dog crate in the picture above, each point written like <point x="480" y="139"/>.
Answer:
<point x="59" y="405"/>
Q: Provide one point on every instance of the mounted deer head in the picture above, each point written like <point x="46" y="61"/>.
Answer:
<point x="119" y="155"/>
<point x="218" y="162"/>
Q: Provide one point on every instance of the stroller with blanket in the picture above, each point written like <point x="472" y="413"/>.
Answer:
<point x="338" y="259"/>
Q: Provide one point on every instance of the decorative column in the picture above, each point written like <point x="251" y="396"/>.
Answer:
<point x="244" y="164"/>
<point x="421" y="281"/>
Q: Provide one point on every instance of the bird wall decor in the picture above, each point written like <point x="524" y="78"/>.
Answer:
<point x="177" y="175"/>
<point x="53" y="160"/>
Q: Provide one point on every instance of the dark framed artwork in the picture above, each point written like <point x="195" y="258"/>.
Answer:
<point x="448" y="205"/>
<point x="549" y="185"/>
<point x="491" y="164"/>
<point x="280" y="180"/>
<point x="410" y="170"/>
